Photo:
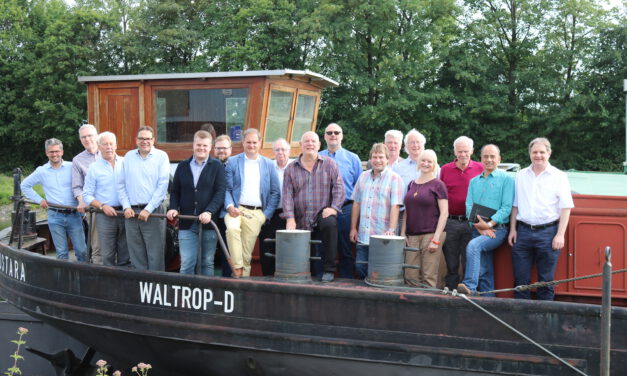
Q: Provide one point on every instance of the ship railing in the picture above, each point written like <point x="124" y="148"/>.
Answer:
<point x="18" y="225"/>
<point x="19" y="208"/>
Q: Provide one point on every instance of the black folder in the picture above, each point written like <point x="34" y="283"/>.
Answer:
<point x="484" y="212"/>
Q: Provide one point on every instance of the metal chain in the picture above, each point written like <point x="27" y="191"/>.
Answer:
<point x="545" y="284"/>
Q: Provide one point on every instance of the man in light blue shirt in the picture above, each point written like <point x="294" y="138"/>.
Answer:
<point x="142" y="187"/>
<point x="56" y="179"/>
<point x="350" y="169"/>
<point x="493" y="189"/>
<point x="100" y="191"/>
<point x="408" y="167"/>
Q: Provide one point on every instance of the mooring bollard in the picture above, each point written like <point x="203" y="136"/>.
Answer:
<point x="385" y="260"/>
<point x="293" y="255"/>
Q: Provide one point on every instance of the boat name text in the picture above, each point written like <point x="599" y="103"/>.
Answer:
<point x="12" y="268"/>
<point x="183" y="297"/>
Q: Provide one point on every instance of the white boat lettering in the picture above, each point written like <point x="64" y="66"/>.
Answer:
<point x="227" y="303"/>
<point x="13" y="268"/>
<point x="183" y="297"/>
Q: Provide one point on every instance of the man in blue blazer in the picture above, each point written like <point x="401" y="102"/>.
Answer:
<point x="252" y="195"/>
<point x="198" y="189"/>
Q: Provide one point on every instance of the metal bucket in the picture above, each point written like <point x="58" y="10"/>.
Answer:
<point x="292" y="255"/>
<point x="385" y="260"/>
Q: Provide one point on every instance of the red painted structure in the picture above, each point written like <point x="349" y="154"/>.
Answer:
<point x="595" y="223"/>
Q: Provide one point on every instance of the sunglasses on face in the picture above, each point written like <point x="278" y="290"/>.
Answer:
<point x="332" y="132"/>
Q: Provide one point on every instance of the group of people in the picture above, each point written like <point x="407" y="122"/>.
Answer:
<point x="455" y="215"/>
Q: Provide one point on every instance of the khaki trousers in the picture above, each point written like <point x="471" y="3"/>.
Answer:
<point x="430" y="263"/>
<point x="241" y="236"/>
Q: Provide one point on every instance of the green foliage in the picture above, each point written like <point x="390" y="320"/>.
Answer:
<point x="500" y="71"/>
<point x="14" y="369"/>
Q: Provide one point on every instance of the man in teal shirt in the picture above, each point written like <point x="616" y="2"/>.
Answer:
<point x="493" y="189"/>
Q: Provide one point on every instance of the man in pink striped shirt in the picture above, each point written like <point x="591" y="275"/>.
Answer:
<point x="313" y="194"/>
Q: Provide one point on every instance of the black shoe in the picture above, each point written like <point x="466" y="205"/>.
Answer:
<point x="327" y="277"/>
<point x="463" y="289"/>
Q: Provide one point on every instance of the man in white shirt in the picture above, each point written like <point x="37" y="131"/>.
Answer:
<point x="281" y="149"/>
<point x="252" y="195"/>
<point x="539" y="219"/>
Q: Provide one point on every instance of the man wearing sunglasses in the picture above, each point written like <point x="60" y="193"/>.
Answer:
<point x="350" y="169"/>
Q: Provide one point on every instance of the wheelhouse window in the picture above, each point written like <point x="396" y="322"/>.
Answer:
<point x="291" y="112"/>
<point x="182" y="112"/>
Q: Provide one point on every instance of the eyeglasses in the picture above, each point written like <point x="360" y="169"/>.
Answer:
<point x="280" y="149"/>
<point x="144" y="138"/>
<point x="223" y="149"/>
<point x="332" y="132"/>
<point x="88" y="136"/>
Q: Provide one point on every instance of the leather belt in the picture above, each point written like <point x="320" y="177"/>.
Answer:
<point x="251" y="207"/>
<point x="462" y="218"/>
<point x="63" y="211"/>
<point x="139" y="206"/>
<point x="538" y="227"/>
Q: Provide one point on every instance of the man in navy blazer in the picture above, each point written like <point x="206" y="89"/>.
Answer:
<point x="252" y="195"/>
<point x="198" y="189"/>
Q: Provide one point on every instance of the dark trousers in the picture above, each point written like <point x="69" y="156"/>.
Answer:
<point x="326" y="232"/>
<point x="268" y="231"/>
<point x="345" y="247"/>
<point x="534" y="247"/>
<point x="226" y="268"/>
<point x="458" y="235"/>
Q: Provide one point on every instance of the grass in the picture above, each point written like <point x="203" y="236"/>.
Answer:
<point x="6" y="189"/>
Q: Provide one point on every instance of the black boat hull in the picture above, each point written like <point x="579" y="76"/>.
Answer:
<point x="260" y="326"/>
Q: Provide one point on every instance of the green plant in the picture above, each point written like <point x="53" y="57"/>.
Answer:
<point x="15" y="370"/>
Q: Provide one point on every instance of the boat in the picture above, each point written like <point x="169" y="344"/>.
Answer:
<point x="291" y="324"/>
<point x="184" y="325"/>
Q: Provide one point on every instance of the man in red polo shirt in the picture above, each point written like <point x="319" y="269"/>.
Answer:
<point x="456" y="175"/>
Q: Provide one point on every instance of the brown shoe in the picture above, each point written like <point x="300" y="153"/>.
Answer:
<point x="462" y="289"/>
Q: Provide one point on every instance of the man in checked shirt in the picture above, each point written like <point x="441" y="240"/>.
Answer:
<point x="313" y="194"/>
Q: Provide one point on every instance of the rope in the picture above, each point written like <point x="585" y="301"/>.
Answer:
<point x="545" y="284"/>
<point x="538" y="345"/>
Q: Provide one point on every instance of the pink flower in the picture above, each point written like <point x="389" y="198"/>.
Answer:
<point x="22" y="330"/>
<point x="134" y="369"/>
<point x="117" y="373"/>
<point x="101" y="363"/>
<point x="144" y="366"/>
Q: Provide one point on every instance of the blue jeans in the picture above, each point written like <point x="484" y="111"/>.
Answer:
<point x="362" y="255"/>
<point x="475" y="259"/>
<point x="61" y="225"/>
<point x="188" y="248"/>
<point x="534" y="247"/>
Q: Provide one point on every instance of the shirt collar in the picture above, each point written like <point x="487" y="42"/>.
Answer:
<point x="49" y="165"/>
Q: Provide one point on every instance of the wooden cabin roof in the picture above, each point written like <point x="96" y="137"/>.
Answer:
<point x="319" y="79"/>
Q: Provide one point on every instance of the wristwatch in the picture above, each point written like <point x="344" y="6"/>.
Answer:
<point x="490" y="224"/>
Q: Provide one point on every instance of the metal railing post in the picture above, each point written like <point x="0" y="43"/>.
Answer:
<point x="606" y="313"/>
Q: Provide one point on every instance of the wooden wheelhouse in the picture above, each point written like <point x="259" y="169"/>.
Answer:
<point x="280" y="103"/>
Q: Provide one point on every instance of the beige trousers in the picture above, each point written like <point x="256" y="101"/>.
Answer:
<point x="241" y="236"/>
<point x="430" y="263"/>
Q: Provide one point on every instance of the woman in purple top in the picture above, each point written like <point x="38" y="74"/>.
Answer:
<point x="426" y="211"/>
